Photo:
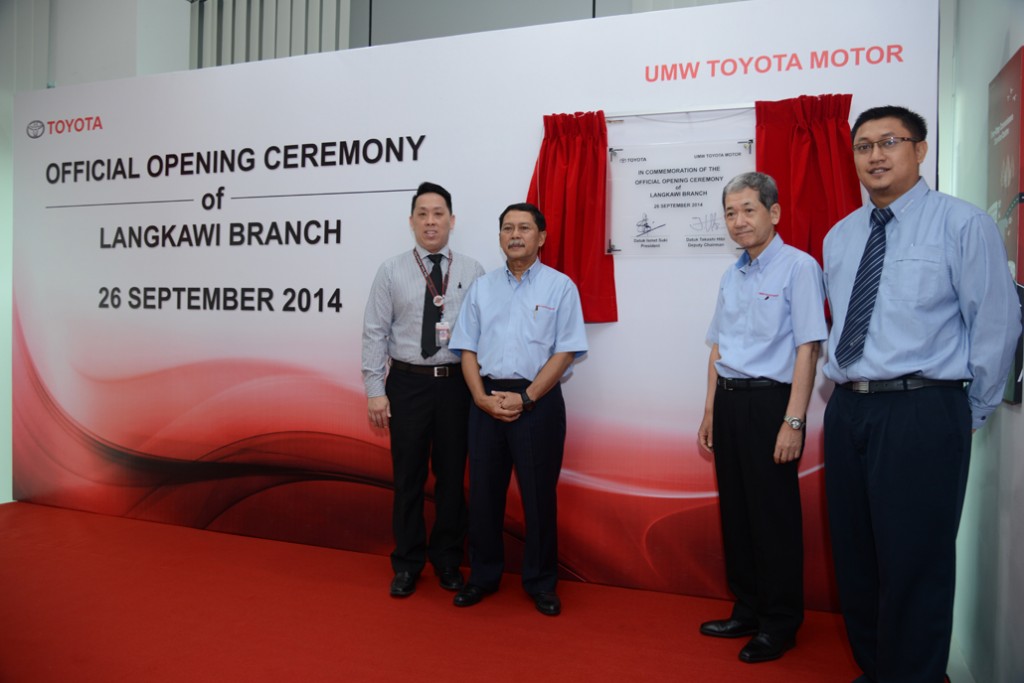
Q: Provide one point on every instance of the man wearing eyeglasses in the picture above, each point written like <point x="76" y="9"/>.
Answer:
<point x="925" y="320"/>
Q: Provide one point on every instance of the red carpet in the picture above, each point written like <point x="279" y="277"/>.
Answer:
<point x="89" y="598"/>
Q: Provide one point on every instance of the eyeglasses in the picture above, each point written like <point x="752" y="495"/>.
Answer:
<point x="885" y="144"/>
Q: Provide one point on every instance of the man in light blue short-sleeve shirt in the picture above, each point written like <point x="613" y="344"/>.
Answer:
<point x="765" y="338"/>
<point x="520" y="329"/>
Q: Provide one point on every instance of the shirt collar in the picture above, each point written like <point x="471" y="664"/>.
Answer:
<point x="764" y="258"/>
<point x="908" y="199"/>
<point x="445" y="251"/>
<point x="526" y="273"/>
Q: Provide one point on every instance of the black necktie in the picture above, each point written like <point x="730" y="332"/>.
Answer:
<point x="431" y="312"/>
<point x="865" y="291"/>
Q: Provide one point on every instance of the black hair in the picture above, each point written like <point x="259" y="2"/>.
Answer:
<point x="431" y="188"/>
<point x="538" y="217"/>
<point x="912" y="121"/>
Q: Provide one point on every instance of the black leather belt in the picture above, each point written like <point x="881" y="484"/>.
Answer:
<point x="729" y="383"/>
<point x="507" y="384"/>
<point x="900" y="384"/>
<point x="450" y="370"/>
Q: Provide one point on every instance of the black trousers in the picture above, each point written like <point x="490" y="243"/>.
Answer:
<point x="533" y="445"/>
<point x="759" y="500"/>
<point x="428" y="432"/>
<point x="895" y="475"/>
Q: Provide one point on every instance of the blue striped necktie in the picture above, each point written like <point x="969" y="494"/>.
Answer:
<point x="865" y="291"/>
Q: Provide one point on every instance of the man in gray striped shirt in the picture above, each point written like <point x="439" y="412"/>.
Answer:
<point x="423" y="400"/>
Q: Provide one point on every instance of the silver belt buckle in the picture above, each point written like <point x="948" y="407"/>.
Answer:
<point x="860" y="387"/>
<point x="440" y="371"/>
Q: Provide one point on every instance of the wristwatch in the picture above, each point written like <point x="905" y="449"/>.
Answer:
<point x="794" y="422"/>
<point x="527" y="401"/>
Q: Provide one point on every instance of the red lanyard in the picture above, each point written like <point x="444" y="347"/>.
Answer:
<point x="438" y="296"/>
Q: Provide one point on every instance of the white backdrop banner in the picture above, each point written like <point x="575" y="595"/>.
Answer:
<point x="193" y="252"/>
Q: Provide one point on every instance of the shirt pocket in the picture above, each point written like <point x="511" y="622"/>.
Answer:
<point x="915" y="275"/>
<point x="768" y="313"/>
<point x="541" y="325"/>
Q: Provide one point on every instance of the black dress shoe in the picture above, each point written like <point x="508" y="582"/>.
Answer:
<point x="404" y="584"/>
<point x="547" y="603"/>
<point x="764" y="648"/>
<point x="469" y="596"/>
<point x="450" y="578"/>
<point x="729" y="628"/>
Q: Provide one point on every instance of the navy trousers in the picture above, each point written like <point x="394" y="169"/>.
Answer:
<point x="895" y="475"/>
<point x="533" y="445"/>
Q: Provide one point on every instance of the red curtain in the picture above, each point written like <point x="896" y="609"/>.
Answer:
<point x="804" y="143"/>
<point x="568" y="186"/>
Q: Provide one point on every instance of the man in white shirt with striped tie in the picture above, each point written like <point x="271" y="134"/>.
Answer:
<point x="420" y="396"/>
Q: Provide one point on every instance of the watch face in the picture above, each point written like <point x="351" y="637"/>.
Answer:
<point x="795" y="422"/>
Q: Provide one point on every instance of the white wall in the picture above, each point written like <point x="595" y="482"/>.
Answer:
<point x="90" y="45"/>
<point x="24" y="44"/>
<point x="989" y="618"/>
<point x="8" y="46"/>
<point x="380" y="22"/>
<point x="162" y="30"/>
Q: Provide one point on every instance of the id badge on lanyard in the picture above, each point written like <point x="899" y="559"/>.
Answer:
<point x="442" y="333"/>
<point x="442" y="329"/>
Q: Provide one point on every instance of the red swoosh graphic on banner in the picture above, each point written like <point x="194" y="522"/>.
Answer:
<point x="276" y="451"/>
